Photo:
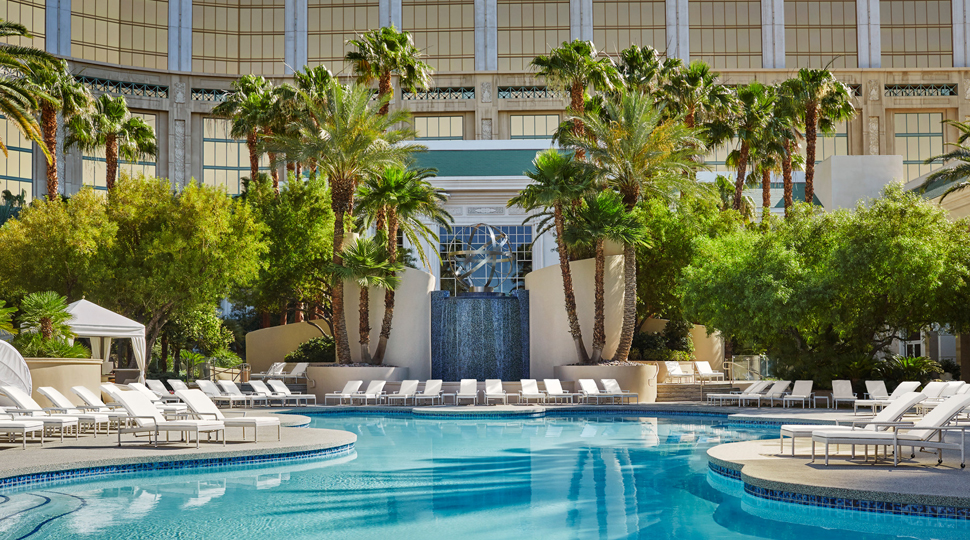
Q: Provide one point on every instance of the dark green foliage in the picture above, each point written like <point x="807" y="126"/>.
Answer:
<point x="897" y="369"/>
<point x="952" y="367"/>
<point x="676" y="335"/>
<point x="317" y="350"/>
<point x="33" y="345"/>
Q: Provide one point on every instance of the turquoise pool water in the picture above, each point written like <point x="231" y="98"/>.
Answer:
<point x="570" y="478"/>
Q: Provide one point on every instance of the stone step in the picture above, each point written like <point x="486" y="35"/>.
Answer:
<point x="690" y="392"/>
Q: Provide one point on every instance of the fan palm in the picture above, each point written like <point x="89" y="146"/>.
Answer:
<point x="821" y="102"/>
<point x="6" y="316"/>
<point x="18" y="98"/>
<point x="348" y="139"/>
<point x="602" y="217"/>
<point x="644" y="69"/>
<point x="640" y="154"/>
<point x="249" y="107"/>
<point x="46" y="313"/>
<point x="757" y="102"/>
<point x="400" y="199"/>
<point x="110" y="126"/>
<point x="61" y="94"/>
<point x="557" y="182"/>
<point x="698" y="92"/>
<point x="367" y="262"/>
<point x="386" y="51"/>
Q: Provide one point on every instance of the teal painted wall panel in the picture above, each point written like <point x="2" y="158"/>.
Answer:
<point x="477" y="162"/>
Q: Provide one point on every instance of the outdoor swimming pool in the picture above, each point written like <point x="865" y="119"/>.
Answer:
<point x="595" y="477"/>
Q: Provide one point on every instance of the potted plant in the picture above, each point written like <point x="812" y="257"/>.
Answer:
<point x="44" y="329"/>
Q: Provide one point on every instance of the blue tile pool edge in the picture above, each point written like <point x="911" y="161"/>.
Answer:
<point x="68" y="475"/>
<point x="843" y="503"/>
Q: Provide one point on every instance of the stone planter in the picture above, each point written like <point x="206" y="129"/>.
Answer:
<point x="62" y="374"/>
<point x="328" y="378"/>
<point x="639" y="379"/>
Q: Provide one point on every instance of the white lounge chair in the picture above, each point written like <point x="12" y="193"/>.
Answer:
<point x="168" y="408"/>
<point x="298" y="372"/>
<point x="842" y="393"/>
<point x="212" y="390"/>
<point x="158" y="388"/>
<point x="530" y="390"/>
<point x="297" y="398"/>
<point x="891" y="414"/>
<point x="801" y="392"/>
<point x="432" y="392"/>
<point x="176" y="384"/>
<point x="706" y="373"/>
<point x="754" y="389"/>
<point x="775" y="391"/>
<point x="205" y="409"/>
<point x="613" y="387"/>
<point x="93" y="402"/>
<point x="591" y="391"/>
<point x="674" y="371"/>
<point x="260" y="389"/>
<point x="555" y="392"/>
<point x="406" y="392"/>
<point x="494" y="390"/>
<point x="28" y="408"/>
<point x="275" y="371"/>
<point x="147" y="418"/>
<point x="11" y="428"/>
<point x="947" y="390"/>
<point x="375" y="391"/>
<point x="231" y="389"/>
<point x="350" y="389"/>
<point x="926" y="433"/>
<point x="64" y="406"/>
<point x="467" y="389"/>
<point x="878" y="396"/>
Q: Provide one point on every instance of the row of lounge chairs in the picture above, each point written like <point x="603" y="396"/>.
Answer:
<point x="228" y="393"/>
<point x="468" y="392"/>
<point x="769" y="392"/>
<point x="276" y="371"/>
<point x="691" y="371"/>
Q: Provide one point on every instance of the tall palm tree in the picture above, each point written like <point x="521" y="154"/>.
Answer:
<point x="558" y="182"/>
<point x="602" y="217"/>
<point x="646" y="70"/>
<point x="697" y="91"/>
<point x="641" y="154"/>
<point x="347" y="138"/>
<point x="61" y="94"/>
<point x="109" y="125"/>
<point x="574" y="66"/>
<point x="18" y="98"/>
<point x="249" y="106"/>
<point x="386" y="51"/>
<point x="367" y="262"/>
<point x="46" y="313"/>
<point x="958" y="156"/>
<point x="787" y="131"/>
<point x="400" y="199"/>
<point x="822" y="102"/>
<point x="757" y="102"/>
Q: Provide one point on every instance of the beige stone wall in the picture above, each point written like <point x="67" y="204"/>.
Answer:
<point x="708" y="348"/>
<point x="62" y="374"/>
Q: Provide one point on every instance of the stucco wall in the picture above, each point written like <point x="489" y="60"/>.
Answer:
<point x="551" y="344"/>
<point x="706" y="348"/>
<point x="62" y="374"/>
<point x="843" y="181"/>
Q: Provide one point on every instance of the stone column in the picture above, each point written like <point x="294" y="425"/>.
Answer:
<point x="773" y="34"/>
<point x="581" y="19"/>
<point x="389" y="14"/>
<point x="180" y="35"/>
<point x="678" y="29"/>
<point x="295" y="36"/>
<point x="486" y="35"/>
<point x="57" y="27"/>
<point x="961" y="25"/>
<point x="868" y="33"/>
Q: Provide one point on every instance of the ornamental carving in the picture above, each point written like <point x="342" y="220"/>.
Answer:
<point x="873" y="135"/>
<point x="486" y="92"/>
<point x="178" y="174"/>
<point x="874" y="90"/>
<point x="180" y="92"/>
<point x="486" y="129"/>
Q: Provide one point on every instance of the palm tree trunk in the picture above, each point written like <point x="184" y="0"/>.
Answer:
<point x="689" y="118"/>
<point x="339" y="318"/>
<point x="364" y="325"/>
<point x="274" y="172"/>
<point x="111" y="160"/>
<point x="577" y="106"/>
<point x="765" y="189"/>
<point x="599" y="301"/>
<point x="786" y="174"/>
<point x="253" y="155"/>
<point x="384" y="88"/>
<point x="298" y="313"/>
<point x="48" y="124"/>
<point x="567" y="287"/>
<point x="811" y="135"/>
<point x="742" y="169"/>
<point x="391" y="221"/>
<point x="629" y="302"/>
<point x="283" y="314"/>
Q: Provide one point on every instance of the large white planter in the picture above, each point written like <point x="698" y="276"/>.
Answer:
<point x="639" y="379"/>
<point x="330" y="378"/>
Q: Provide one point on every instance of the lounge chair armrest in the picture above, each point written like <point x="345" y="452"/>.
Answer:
<point x="896" y="424"/>
<point x="20" y="411"/>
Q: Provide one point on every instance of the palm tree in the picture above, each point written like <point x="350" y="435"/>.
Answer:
<point x="697" y="91"/>
<point x="574" y="66"/>
<point x="785" y="118"/>
<point x="640" y="154"/>
<point x="558" y="182"/>
<point x="46" y="313"/>
<point x="111" y="126"/>
<point x="646" y="70"/>
<point x="822" y="102"/>
<point x="400" y="199"/>
<point x="757" y="102"/>
<point x="6" y="316"/>
<point x="61" y="94"/>
<point x="956" y="174"/>
<point x="381" y="53"/>
<point x="602" y="217"/>
<point x="347" y="138"/>
<point x="249" y="107"/>
<point x="367" y="262"/>
<point x="17" y="97"/>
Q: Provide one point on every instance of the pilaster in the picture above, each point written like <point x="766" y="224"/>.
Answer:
<point x="179" y="35"/>
<point x="678" y="29"/>
<point x="773" y="34"/>
<point x="961" y="29"/>
<point x="581" y="19"/>
<point x="295" y="35"/>
<point x="486" y="35"/>
<point x="389" y="13"/>
<point x="57" y="27"/>
<point x="869" y="29"/>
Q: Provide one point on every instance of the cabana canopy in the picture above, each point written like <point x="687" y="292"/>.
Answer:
<point x="102" y="325"/>
<point x="13" y="369"/>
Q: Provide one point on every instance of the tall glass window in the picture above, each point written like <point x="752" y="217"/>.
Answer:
<point x="916" y="34"/>
<point x="528" y="28"/>
<point x="17" y="168"/>
<point x="29" y="13"/>
<point x="820" y="33"/>
<point x="442" y="128"/>
<point x="238" y="36"/>
<point x="520" y="244"/>
<point x="330" y="24"/>
<point x="918" y="136"/>
<point x="533" y="126"/>
<point x="444" y="30"/>
<point x="617" y="24"/>
<point x="726" y="33"/>
<point x="225" y="160"/>
<point x="125" y="32"/>
<point x="96" y="168"/>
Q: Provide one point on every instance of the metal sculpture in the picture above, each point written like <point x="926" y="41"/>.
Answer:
<point x="466" y="257"/>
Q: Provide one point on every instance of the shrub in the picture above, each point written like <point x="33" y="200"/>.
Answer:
<point x="317" y="350"/>
<point x="952" y="367"/>
<point x="45" y="330"/>
<point x="35" y="346"/>
<point x="897" y="369"/>
<point x="676" y="335"/>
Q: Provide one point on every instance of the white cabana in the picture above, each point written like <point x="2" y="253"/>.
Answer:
<point x="101" y="325"/>
<point x="13" y="370"/>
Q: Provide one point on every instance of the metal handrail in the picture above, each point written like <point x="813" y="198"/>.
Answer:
<point x="744" y="368"/>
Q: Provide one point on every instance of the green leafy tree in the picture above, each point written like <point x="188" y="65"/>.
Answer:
<point x="18" y="98"/>
<point x="400" y="199"/>
<point x="558" y="182"/>
<point x="249" y="107"/>
<point x="601" y="217"/>
<point x="110" y="126"/>
<point x="367" y="262"/>
<point x="386" y="51"/>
